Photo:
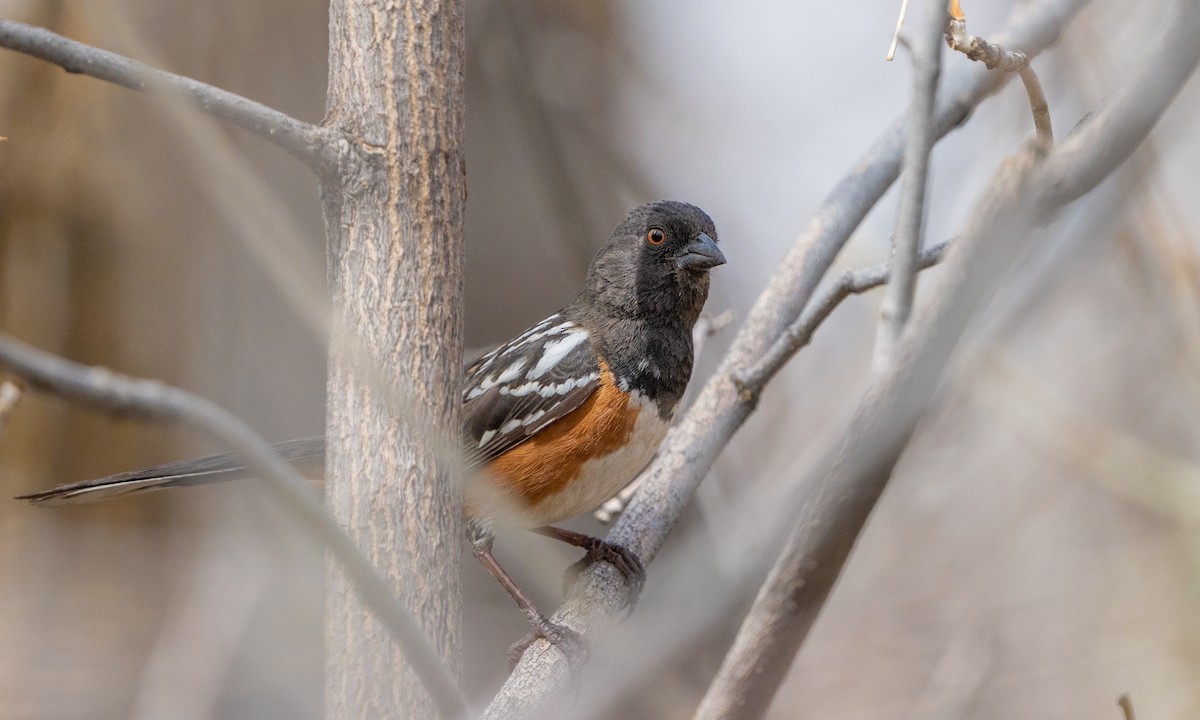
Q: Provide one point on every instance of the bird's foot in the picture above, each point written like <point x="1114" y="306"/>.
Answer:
<point x="620" y="557"/>
<point x="570" y="643"/>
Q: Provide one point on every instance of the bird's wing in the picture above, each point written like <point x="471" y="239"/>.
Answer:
<point x="510" y="394"/>
<point x="521" y="387"/>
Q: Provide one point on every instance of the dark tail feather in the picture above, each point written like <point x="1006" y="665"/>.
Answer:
<point x="308" y="454"/>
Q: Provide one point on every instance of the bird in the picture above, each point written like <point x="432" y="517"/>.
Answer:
<point x="559" y="418"/>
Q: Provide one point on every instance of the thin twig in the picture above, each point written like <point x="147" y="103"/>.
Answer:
<point x="103" y="389"/>
<point x="689" y="450"/>
<point x="845" y="486"/>
<point x="800" y="333"/>
<point x="995" y="57"/>
<point x="891" y="53"/>
<point x="313" y="145"/>
<point x="894" y="311"/>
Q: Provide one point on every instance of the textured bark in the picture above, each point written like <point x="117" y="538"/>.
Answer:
<point x="394" y="217"/>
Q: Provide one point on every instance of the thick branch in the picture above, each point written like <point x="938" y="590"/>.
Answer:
<point x="897" y="302"/>
<point x="313" y="145"/>
<point x="847" y="484"/>
<point x="122" y="395"/>
<point x="690" y="449"/>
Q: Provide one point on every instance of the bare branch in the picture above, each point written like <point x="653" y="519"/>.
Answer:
<point x="894" y="312"/>
<point x="313" y="145"/>
<point x="799" y="333"/>
<point x="891" y="53"/>
<point x="995" y="57"/>
<point x="105" y="390"/>
<point x="846" y="485"/>
<point x="719" y="411"/>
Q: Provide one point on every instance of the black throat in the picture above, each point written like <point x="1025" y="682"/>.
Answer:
<point x="649" y="357"/>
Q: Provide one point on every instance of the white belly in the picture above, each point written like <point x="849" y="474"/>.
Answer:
<point x="602" y="478"/>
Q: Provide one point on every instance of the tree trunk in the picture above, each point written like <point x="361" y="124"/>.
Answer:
<point x="394" y="218"/>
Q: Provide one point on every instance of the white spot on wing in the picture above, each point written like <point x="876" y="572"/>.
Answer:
<point x="554" y="351"/>
<point x="533" y="418"/>
<point x="483" y="439"/>
<point x="520" y="390"/>
<point x="511" y="372"/>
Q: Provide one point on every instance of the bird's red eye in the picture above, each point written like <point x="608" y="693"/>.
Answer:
<point x="656" y="237"/>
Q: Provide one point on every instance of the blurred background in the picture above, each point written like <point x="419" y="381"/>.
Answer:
<point x="1035" y="556"/>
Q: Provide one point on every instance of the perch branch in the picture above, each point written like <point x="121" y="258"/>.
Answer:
<point x="103" y="389"/>
<point x="313" y="145"/>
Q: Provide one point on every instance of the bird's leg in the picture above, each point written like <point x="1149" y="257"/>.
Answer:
<point x="564" y="638"/>
<point x="622" y="558"/>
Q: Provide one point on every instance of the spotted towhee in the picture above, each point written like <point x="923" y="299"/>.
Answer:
<point x="562" y="416"/>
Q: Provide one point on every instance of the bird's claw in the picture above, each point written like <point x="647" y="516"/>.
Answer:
<point x="620" y="557"/>
<point x="569" y="642"/>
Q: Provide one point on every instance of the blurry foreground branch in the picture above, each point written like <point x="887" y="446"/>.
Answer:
<point x="691" y="447"/>
<point x="311" y="144"/>
<point x="121" y="395"/>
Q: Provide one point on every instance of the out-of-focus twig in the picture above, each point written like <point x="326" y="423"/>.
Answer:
<point x="891" y="53"/>
<point x="1126" y="703"/>
<point x="1092" y="448"/>
<point x="313" y="145"/>
<point x="894" y="311"/>
<point x="706" y="327"/>
<point x="995" y="57"/>
<point x="10" y="394"/>
<point x="103" y="389"/>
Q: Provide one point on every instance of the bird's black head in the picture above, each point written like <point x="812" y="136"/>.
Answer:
<point x="655" y="265"/>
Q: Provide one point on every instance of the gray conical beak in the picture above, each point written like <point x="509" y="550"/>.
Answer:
<point x="701" y="254"/>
